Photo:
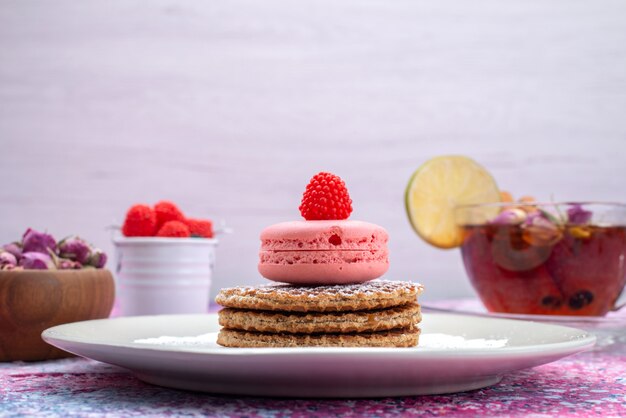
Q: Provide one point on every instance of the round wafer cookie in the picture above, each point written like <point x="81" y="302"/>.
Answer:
<point x="392" y="338"/>
<point x="406" y="316"/>
<point x="376" y="294"/>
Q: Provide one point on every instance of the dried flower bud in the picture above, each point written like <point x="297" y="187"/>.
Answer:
<point x="540" y="231"/>
<point x="98" y="258"/>
<point x="66" y="264"/>
<point x="36" y="261"/>
<point x="75" y="249"/>
<point x="13" y="248"/>
<point x="511" y="216"/>
<point x="580" y="232"/>
<point x="38" y="242"/>
<point x="577" y="215"/>
<point x="7" y="259"/>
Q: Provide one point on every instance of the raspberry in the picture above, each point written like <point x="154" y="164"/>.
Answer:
<point x="167" y="211"/>
<point x="200" y="227"/>
<point x="175" y="229"/>
<point x="325" y="197"/>
<point x="140" y="222"/>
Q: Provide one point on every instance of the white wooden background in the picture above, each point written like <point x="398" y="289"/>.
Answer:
<point x="229" y="107"/>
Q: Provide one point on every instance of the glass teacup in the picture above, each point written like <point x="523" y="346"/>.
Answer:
<point x="545" y="258"/>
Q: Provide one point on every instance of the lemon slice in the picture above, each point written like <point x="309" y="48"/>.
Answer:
<point x="437" y="188"/>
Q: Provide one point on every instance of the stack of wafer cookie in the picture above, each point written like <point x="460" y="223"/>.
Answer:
<point x="378" y="313"/>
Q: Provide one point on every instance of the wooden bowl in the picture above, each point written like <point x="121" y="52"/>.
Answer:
<point x="34" y="300"/>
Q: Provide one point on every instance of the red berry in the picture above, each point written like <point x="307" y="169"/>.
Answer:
<point x="140" y="222"/>
<point x="325" y="197"/>
<point x="167" y="211"/>
<point x="175" y="229"/>
<point x="200" y="227"/>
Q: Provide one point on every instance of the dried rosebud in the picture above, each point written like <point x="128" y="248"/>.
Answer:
<point x="98" y="258"/>
<point x="13" y="248"/>
<point x="36" y="261"/>
<point x="75" y="249"/>
<point x="511" y="216"/>
<point x="66" y="264"/>
<point x="7" y="259"/>
<point x="577" y="215"/>
<point x="538" y="230"/>
<point x="38" y="242"/>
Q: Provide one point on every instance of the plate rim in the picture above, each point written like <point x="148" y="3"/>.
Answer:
<point x="585" y="341"/>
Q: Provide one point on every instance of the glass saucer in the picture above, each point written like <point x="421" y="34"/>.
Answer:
<point x="609" y="329"/>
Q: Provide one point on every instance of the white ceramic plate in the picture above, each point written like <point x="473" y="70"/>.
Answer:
<point x="456" y="353"/>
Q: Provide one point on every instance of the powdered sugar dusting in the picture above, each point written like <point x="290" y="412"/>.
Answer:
<point x="452" y="342"/>
<point x="431" y="341"/>
<point x="195" y="341"/>
<point x="374" y="287"/>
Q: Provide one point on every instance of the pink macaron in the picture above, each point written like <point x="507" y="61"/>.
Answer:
<point x="323" y="252"/>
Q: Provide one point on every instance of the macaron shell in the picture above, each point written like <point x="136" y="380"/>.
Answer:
<point x="324" y="235"/>
<point x="320" y="274"/>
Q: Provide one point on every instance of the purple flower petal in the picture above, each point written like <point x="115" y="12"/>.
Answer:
<point x="510" y="217"/>
<point x="577" y="215"/>
<point x="36" y="261"/>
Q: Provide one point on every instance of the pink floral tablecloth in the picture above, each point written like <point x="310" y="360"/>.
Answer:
<point x="587" y="384"/>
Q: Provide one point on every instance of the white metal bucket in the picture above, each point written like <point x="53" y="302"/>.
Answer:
<point x="163" y="275"/>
